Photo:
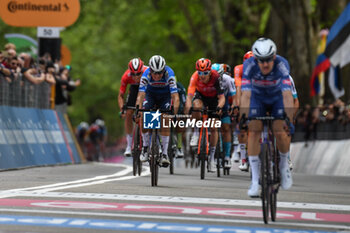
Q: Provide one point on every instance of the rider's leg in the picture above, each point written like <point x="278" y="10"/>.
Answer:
<point x="197" y="105"/>
<point x="128" y="129"/>
<point x="242" y="146"/>
<point x="255" y="128"/>
<point x="226" y="138"/>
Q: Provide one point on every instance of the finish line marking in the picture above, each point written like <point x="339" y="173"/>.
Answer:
<point x="172" y="199"/>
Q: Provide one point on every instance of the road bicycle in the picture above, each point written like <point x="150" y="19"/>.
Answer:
<point x="203" y="141"/>
<point x="154" y="148"/>
<point x="270" y="178"/>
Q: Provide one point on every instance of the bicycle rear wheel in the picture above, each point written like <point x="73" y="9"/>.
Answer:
<point x="265" y="189"/>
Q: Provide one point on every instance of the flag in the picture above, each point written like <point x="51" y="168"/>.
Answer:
<point x="334" y="82"/>
<point x="23" y="43"/>
<point x="322" y="64"/>
<point x="338" y="41"/>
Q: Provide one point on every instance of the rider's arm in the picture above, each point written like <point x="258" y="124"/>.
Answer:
<point x="246" y="88"/>
<point x="176" y="101"/>
<point x="221" y="101"/>
<point x="238" y="77"/>
<point x="122" y="89"/>
<point x="190" y="91"/>
<point x="288" y="102"/>
<point x="120" y="100"/>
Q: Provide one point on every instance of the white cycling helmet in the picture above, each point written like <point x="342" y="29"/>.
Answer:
<point x="264" y="48"/>
<point x="157" y="63"/>
<point x="218" y="67"/>
<point x="100" y="122"/>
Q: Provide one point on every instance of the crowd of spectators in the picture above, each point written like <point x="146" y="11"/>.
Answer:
<point x="329" y="121"/>
<point x="37" y="83"/>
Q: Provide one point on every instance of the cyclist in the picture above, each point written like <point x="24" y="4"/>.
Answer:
<point x="228" y="85"/>
<point x="205" y="89"/>
<point x="157" y="89"/>
<point x="131" y="76"/>
<point x="266" y="85"/>
<point x="242" y="138"/>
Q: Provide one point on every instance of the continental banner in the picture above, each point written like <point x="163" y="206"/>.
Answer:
<point x="39" y="13"/>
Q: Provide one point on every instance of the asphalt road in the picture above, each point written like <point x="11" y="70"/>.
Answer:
<point x="106" y="197"/>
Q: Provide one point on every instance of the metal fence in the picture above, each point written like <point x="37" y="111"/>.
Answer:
<point x="22" y="93"/>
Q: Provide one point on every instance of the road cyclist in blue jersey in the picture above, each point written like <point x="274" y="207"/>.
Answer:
<point x="157" y="90"/>
<point x="266" y="86"/>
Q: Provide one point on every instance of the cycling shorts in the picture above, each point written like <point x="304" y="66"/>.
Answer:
<point x="210" y="102"/>
<point x="260" y="104"/>
<point x="156" y="100"/>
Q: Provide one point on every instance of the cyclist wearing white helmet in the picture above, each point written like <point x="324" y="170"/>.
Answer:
<point x="157" y="89"/>
<point x="266" y="86"/>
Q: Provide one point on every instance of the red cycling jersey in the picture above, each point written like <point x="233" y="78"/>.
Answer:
<point x="238" y="73"/>
<point x="127" y="78"/>
<point x="211" y="89"/>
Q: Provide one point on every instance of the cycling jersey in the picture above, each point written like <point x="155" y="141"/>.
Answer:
<point x="294" y="90"/>
<point x="211" y="89"/>
<point x="266" y="85"/>
<point x="127" y="78"/>
<point x="167" y="84"/>
<point x="228" y="84"/>
<point x="238" y="71"/>
<point x="266" y="90"/>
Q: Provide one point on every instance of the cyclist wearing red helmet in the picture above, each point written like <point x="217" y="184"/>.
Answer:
<point x="205" y="89"/>
<point x="242" y="136"/>
<point x="131" y="76"/>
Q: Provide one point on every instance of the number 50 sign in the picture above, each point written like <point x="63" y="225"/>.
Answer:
<point x="33" y="13"/>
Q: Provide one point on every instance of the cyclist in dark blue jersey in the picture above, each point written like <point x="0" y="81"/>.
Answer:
<point x="266" y="86"/>
<point x="157" y="89"/>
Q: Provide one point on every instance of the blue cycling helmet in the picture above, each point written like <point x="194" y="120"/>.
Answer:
<point x="218" y="67"/>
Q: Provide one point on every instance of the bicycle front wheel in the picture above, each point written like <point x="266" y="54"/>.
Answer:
<point x="153" y="159"/>
<point x="136" y="150"/>
<point x="265" y="189"/>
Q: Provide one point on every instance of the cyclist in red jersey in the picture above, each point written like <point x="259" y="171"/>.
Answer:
<point x="131" y="76"/>
<point x="242" y="138"/>
<point x="205" y="89"/>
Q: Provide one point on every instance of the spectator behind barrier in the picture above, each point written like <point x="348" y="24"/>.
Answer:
<point x="64" y="85"/>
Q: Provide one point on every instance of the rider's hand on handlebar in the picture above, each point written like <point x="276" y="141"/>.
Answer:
<point x="219" y="111"/>
<point x="243" y="125"/>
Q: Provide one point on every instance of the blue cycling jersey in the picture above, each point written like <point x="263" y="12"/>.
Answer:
<point x="266" y="85"/>
<point x="167" y="84"/>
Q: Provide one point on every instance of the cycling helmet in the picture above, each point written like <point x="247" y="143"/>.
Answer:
<point x="157" y="63"/>
<point x="100" y="122"/>
<point x="247" y="55"/>
<point x="203" y="64"/>
<point x="264" y="48"/>
<point x="218" y="67"/>
<point x="136" y="65"/>
<point x="226" y="68"/>
<point x="84" y="125"/>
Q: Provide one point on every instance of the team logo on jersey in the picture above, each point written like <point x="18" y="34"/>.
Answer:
<point x="151" y="120"/>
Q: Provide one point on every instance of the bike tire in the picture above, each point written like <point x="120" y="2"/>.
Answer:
<point x="218" y="156"/>
<point x="202" y="156"/>
<point x="171" y="153"/>
<point x="153" y="159"/>
<point x="136" y="151"/>
<point x="265" y="189"/>
<point x="274" y="189"/>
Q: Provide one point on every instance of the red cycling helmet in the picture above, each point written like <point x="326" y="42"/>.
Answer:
<point x="247" y="55"/>
<point x="203" y="64"/>
<point x="135" y="65"/>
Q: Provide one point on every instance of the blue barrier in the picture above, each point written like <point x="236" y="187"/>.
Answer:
<point x="34" y="137"/>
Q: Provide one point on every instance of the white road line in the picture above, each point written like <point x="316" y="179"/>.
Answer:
<point x="77" y="183"/>
<point x="173" y="199"/>
<point x="185" y="218"/>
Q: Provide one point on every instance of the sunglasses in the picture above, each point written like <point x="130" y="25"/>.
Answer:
<point x="135" y="74"/>
<point x="14" y="63"/>
<point x="158" y="72"/>
<point x="265" y="60"/>
<point x="203" y="72"/>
